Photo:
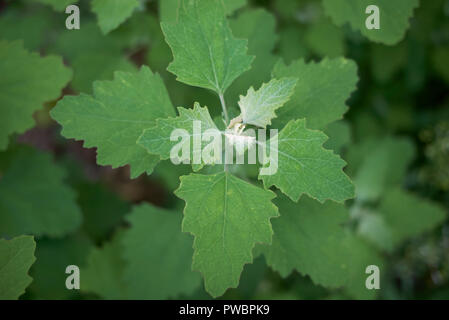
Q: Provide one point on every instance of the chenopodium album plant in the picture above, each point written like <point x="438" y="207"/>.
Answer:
<point x="131" y="121"/>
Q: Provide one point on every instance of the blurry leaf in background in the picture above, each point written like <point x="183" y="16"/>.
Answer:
<point x="205" y="52"/>
<point x="27" y="82"/>
<point x="320" y="93"/>
<point x="325" y="39"/>
<point x="112" y="13"/>
<point x="158" y="255"/>
<point x="292" y="45"/>
<point x="227" y="218"/>
<point x="440" y="60"/>
<point x="102" y="210"/>
<point x="384" y="166"/>
<point x="394" y="17"/>
<point x="34" y="198"/>
<point x="32" y="26"/>
<point x="387" y="61"/>
<point x="115" y="116"/>
<point x="103" y="274"/>
<point x="339" y="133"/>
<point x="408" y="215"/>
<point x="52" y="258"/>
<point x="58" y="5"/>
<point x="92" y="55"/>
<point x="306" y="234"/>
<point x="305" y="167"/>
<point x="16" y="258"/>
<point x="258" y="26"/>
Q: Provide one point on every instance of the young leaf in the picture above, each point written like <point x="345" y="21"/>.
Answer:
<point x="158" y="255"/>
<point x="157" y="140"/>
<point x="227" y="216"/>
<point x="393" y="17"/>
<point x="320" y="93"/>
<point x="205" y="52"/>
<point x="16" y="258"/>
<point x="258" y="107"/>
<point x="34" y="198"/>
<point x="27" y="82"/>
<point x="304" y="166"/>
<point x="115" y="116"/>
<point x="112" y="13"/>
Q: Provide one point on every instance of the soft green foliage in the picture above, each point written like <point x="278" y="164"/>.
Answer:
<point x="103" y="274"/>
<point x="205" y="52"/>
<point x="320" y="93"/>
<point x="115" y="116"/>
<point x="27" y="82"/>
<point x="394" y="17"/>
<point x="154" y="245"/>
<point x="16" y="258"/>
<point x="258" y="107"/>
<point x="52" y="258"/>
<point x="305" y="235"/>
<point x="304" y="166"/>
<point x="384" y="165"/>
<point x="112" y="13"/>
<point x="407" y="215"/>
<point x="34" y="198"/>
<point x="157" y="140"/>
<point x="227" y="217"/>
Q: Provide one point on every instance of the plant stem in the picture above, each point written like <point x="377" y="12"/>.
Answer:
<point x="223" y="106"/>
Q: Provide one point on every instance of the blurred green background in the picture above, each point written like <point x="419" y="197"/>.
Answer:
<point x="395" y="139"/>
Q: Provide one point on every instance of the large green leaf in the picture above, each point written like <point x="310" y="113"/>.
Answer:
<point x="394" y="17"/>
<point x="115" y="116"/>
<point x="16" y="258"/>
<point x="157" y="140"/>
<point x="112" y="13"/>
<point x="34" y="198"/>
<point x="227" y="216"/>
<point x="205" y="52"/>
<point x="27" y="82"/>
<point x="158" y="255"/>
<point x="320" y="93"/>
<point x="304" y="166"/>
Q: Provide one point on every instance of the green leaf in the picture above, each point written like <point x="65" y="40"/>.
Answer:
<point x="227" y="216"/>
<point x="205" y="52"/>
<point x="320" y="93"/>
<point x="384" y="165"/>
<point x="112" y="13"/>
<point x="115" y="116"/>
<point x="258" y="107"/>
<point x="394" y="17"/>
<point x="339" y="133"/>
<point x="304" y="166"/>
<point x="158" y="255"/>
<point x="34" y="198"/>
<point x="27" y="82"/>
<point x="325" y="39"/>
<point x="157" y="140"/>
<point x="408" y="215"/>
<point x="16" y="258"/>
<point x="103" y="274"/>
<point x="306" y="234"/>
<point x="53" y="257"/>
